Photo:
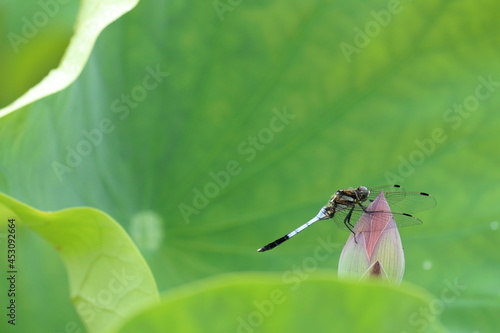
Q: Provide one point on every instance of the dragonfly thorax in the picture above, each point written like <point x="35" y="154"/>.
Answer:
<point x="349" y="197"/>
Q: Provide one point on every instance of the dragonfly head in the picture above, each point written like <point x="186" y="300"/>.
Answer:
<point x="363" y="193"/>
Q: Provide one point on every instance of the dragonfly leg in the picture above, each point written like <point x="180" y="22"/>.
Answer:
<point x="363" y="208"/>
<point x="347" y="223"/>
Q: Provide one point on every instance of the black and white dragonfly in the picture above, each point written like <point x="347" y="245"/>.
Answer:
<point x="349" y="204"/>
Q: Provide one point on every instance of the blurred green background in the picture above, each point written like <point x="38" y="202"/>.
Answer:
<point x="283" y="103"/>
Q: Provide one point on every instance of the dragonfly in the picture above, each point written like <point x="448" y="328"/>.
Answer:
<point x="349" y="204"/>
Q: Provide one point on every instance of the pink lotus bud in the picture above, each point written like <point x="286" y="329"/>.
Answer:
<point x="378" y="251"/>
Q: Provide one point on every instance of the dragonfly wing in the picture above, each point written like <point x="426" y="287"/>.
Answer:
<point x="405" y="220"/>
<point x="410" y="202"/>
<point x="374" y="191"/>
<point x="380" y="219"/>
<point x="377" y="218"/>
<point x="400" y="200"/>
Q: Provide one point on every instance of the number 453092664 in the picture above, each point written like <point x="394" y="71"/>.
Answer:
<point x="11" y="244"/>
